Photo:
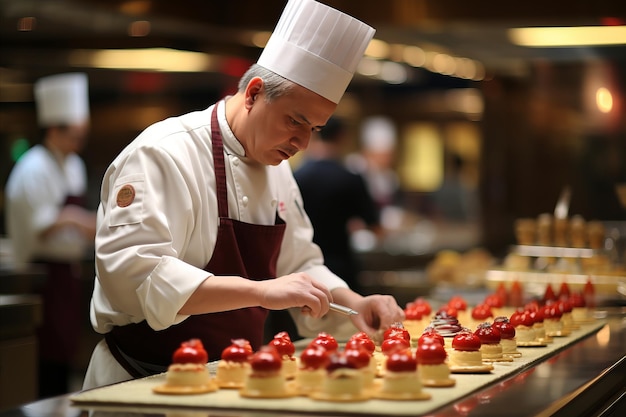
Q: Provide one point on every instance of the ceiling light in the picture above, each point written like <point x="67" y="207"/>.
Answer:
<point x="568" y="36"/>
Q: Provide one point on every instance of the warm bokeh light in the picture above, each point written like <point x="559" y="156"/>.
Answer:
<point x="156" y="59"/>
<point x="260" y="39"/>
<point x="139" y="28"/>
<point x="568" y="36"/>
<point x="604" y="100"/>
<point x="414" y="56"/>
<point x="421" y="165"/>
<point x="604" y="336"/>
<point x="377" y="49"/>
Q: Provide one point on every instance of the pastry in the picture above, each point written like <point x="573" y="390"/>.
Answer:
<point x="507" y="336"/>
<point x="432" y="367"/>
<point x="429" y="334"/>
<point x="233" y="366"/>
<point x="188" y="373"/>
<point x="567" y="317"/>
<point x="552" y="322"/>
<point x="311" y="369"/>
<point x="524" y="332"/>
<point x="490" y="346"/>
<point x="460" y="305"/>
<point x="363" y="361"/>
<point x="283" y="344"/>
<point x="536" y="313"/>
<point x="497" y="302"/>
<point x="343" y="381"/>
<point x="401" y="380"/>
<point x="265" y="379"/>
<point x="446" y="326"/>
<point x="465" y="355"/>
<point x="414" y="320"/>
<point x="326" y="341"/>
<point x="479" y="314"/>
<point x="363" y="341"/>
<point x="580" y="312"/>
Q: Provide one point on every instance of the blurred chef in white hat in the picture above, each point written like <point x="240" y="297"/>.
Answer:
<point x="376" y="157"/>
<point x="201" y="227"/>
<point x="47" y="221"/>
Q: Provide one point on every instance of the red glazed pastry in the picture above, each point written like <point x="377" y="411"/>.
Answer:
<point x="266" y="379"/>
<point x="234" y="365"/>
<point x="188" y="373"/>
<point x="433" y="369"/>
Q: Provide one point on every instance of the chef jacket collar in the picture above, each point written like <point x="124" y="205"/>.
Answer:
<point x="231" y="143"/>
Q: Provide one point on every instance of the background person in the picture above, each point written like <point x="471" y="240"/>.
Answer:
<point x="47" y="221"/>
<point x="201" y="229"/>
<point x="336" y="200"/>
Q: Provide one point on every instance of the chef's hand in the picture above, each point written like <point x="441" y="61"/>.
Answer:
<point x="376" y="312"/>
<point x="295" y="290"/>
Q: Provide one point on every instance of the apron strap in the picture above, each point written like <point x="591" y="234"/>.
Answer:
<point x="220" y="166"/>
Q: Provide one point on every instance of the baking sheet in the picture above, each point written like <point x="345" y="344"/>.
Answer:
<point x="138" y="393"/>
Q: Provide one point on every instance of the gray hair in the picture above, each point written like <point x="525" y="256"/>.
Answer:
<point x="274" y="85"/>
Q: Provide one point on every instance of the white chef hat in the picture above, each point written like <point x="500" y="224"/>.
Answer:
<point x="378" y="133"/>
<point x="316" y="47"/>
<point x="62" y="99"/>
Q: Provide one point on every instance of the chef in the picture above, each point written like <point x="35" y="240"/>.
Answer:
<point x="201" y="227"/>
<point x="47" y="221"/>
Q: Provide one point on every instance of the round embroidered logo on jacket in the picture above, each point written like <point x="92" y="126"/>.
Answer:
<point x="125" y="196"/>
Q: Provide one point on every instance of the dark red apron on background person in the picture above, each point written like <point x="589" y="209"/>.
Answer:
<point x="58" y="336"/>
<point x="60" y="329"/>
<point x="241" y="249"/>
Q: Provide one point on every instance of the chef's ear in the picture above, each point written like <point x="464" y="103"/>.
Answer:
<point x="253" y="90"/>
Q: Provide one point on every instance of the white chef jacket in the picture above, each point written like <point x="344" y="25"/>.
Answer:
<point x="150" y="254"/>
<point x="35" y="193"/>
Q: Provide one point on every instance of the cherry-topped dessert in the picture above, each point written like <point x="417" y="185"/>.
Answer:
<point x="234" y="366"/>
<point x="506" y="329"/>
<point x="488" y="334"/>
<point x="266" y="360"/>
<point x="457" y="302"/>
<point x="393" y="344"/>
<point x="481" y="312"/>
<point x="314" y="357"/>
<point x="238" y="351"/>
<point x="326" y="341"/>
<point x="466" y="341"/>
<point x="283" y="344"/>
<point x="401" y="361"/>
<point x="430" y="334"/>
<point x="397" y="330"/>
<point x="522" y="318"/>
<point x="190" y="351"/>
<point x="432" y="353"/>
<point x="363" y="340"/>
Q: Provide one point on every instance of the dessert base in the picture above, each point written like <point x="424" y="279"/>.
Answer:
<point x="400" y="386"/>
<point x="266" y="387"/>
<point x="342" y="385"/>
<point x="435" y="375"/>
<point x="231" y="374"/>
<point x="188" y="378"/>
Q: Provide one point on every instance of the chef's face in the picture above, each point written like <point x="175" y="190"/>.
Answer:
<point x="282" y="127"/>
<point x="68" y="138"/>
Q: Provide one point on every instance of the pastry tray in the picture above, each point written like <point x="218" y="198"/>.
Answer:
<point x="137" y="395"/>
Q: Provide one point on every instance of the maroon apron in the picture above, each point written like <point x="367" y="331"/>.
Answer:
<point x="59" y="333"/>
<point x="241" y="249"/>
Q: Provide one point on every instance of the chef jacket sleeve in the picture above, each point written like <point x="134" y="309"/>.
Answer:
<point x="144" y="265"/>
